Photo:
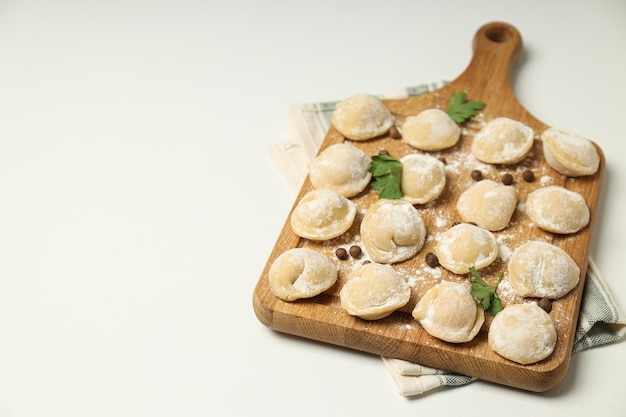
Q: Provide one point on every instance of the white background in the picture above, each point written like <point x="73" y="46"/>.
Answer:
<point x="138" y="204"/>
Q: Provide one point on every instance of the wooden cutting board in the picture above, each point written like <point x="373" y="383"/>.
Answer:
<point x="496" y="47"/>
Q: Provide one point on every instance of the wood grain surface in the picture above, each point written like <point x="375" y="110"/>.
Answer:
<point x="496" y="48"/>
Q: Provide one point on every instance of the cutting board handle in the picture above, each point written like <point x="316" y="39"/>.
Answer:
<point x="497" y="44"/>
<point x="496" y="48"/>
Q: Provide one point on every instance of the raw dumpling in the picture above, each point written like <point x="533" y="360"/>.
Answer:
<point x="301" y="273"/>
<point x="423" y="178"/>
<point x="465" y="245"/>
<point x="488" y="204"/>
<point x="431" y="130"/>
<point x="557" y="209"/>
<point x="392" y="231"/>
<point x="448" y="312"/>
<point x="341" y="167"/>
<point x="322" y="214"/>
<point x="570" y="154"/>
<point x="361" y="117"/>
<point x="503" y="141"/>
<point x="542" y="270"/>
<point x="523" y="333"/>
<point x="374" y="291"/>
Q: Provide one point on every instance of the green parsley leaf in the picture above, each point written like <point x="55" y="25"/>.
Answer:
<point x="460" y="109"/>
<point x="387" y="173"/>
<point x="484" y="293"/>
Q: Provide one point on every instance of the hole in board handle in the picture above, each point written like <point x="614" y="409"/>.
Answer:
<point x="498" y="34"/>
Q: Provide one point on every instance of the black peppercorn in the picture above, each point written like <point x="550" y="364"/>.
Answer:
<point x="341" y="253"/>
<point x="395" y="133"/>
<point x="356" y="252"/>
<point x="432" y="260"/>
<point x="528" y="176"/>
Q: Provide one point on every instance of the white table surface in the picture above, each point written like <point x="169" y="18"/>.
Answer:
<point x="139" y="205"/>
